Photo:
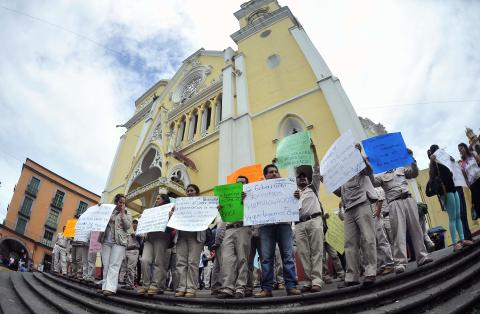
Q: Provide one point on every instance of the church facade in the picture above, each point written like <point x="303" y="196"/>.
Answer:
<point x="226" y="109"/>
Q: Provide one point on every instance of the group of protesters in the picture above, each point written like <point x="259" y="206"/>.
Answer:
<point x="379" y="215"/>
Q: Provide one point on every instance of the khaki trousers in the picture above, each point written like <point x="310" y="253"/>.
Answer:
<point x="337" y="264"/>
<point x="88" y="263"/>
<point x="309" y="238"/>
<point x="359" y="223"/>
<point x="60" y="260"/>
<point x="235" y="252"/>
<point x="77" y="266"/>
<point x="129" y="268"/>
<point x="188" y="259"/>
<point x="403" y="219"/>
<point x="384" y="251"/>
<point x="155" y="251"/>
<point x="217" y="275"/>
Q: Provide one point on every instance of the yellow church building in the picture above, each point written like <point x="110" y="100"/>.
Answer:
<point x="226" y="109"/>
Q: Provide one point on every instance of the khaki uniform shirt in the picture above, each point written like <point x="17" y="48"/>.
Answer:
<point x="308" y="199"/>
<point x="357" y="190"/>
<point x="394" y="183"/>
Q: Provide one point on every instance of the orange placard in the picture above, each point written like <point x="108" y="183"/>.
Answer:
<point x="70" y="228"/>
<point x="253" y="173"/>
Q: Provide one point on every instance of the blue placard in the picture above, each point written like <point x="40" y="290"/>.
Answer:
<point x="386" y="152"/>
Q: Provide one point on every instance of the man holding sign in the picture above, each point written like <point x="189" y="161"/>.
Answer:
<point x="270" y="235"/>
<point x="236" y="242"/>
<point x="403" y="214"/>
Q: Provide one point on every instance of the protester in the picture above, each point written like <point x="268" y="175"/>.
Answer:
<point x="155" y="247"/>
<point x="129" y="264"/>
<point x="309" y="234"/>
<point x="470" y="165"/>
<point x="114" y="241"/>
<point x="60" y="253"/>
<point x="216" y="280"/>
<point x="357" y="196"/>
<point x="189" y="247"/>
<point x="449" y="198"/>
<point x="270" y="235"/>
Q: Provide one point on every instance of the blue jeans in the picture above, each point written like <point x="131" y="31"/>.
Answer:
<point x="270" y="235"/>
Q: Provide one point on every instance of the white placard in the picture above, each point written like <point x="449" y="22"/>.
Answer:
<point x="445" y="159"/>
<point x="154" y="219"/>
<point x="94" y="218"/>
<point x="270" y="201"/>
<point x="194" y="213"/>
<point x="341" y="162"/>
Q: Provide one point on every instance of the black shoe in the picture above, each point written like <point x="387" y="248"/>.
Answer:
<point x="369" y="281"/>
<point x="238" y="295"/>
<point x="347" y="284"/>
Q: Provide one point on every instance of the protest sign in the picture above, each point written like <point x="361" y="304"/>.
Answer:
<point x="386" y="152"/>
<point x="95" y="245"/>
<point x="70" y="228"/>
<point x="230" y="198"/>
<point x="254" y="173"/>
<point x="194" y="213"/>
<point x="95" y="218"/>
<point x="270" y="201"/>
<point x="335" y="235"/>
<point x="445" y="159"/>
<point x="294" y="150"/>
<point x="341" y="162"/>
<point x="154" y="219"/>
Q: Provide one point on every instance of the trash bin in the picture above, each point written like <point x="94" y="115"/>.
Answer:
<point x="437" y="236"/>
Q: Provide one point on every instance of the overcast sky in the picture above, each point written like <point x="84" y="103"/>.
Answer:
<point x="71" y="70"/>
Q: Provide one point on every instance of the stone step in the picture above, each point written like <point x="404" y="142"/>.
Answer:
<point x="32" y="300"/>
<point x="9" y="301"/>
<point x="462" y="302"/>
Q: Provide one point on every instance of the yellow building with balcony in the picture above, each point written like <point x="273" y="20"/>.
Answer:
<point x="226" y="109"/>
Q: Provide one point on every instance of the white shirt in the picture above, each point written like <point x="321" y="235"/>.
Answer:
<point x="472" y="170"/>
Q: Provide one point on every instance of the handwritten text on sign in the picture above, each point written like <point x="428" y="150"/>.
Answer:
<point x="294" y="150"/>
<point x="230" y="198"/>
<point x="341" y="162"/>
<point x="95" y="218"/>
<point x="270" y="201"/>
<point x="445" y="159"/>
<point x="194" y="213"/>
<point x="154" y="219"/>
<point x="386" y="152"/>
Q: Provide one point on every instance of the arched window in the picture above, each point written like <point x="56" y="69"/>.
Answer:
<point x="218" y="113"/>
<point x="181" y="131"/>
<point x="291" y="124"/>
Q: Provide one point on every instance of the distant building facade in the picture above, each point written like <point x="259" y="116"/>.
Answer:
<point x="41" y="204"/>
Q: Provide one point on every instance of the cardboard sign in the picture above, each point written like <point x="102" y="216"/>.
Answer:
<point x="70" y="228"/>
<point x="230" y="198"/>
<point x="341" y="162"/>
<point x="254" y="173"/>
<point x="154" y="219"/>
<point x="294" y="150"/>
<point x="386" y="152"/>
<point x="270" y="201"/>
<point x="194" y="213"/>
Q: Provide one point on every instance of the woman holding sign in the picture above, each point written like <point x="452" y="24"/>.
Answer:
<point x="471" y="170"/>
<point x="154" y="251"/>
<point x="114" y="242"/>
<point x="189" y="248"/>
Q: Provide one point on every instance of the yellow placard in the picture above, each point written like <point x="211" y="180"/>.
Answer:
<point x="253" y="173"/>
<point x="335" y="233"/>
<point x="70" y="228"/>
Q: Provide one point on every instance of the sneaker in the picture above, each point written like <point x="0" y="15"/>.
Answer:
<point x="107" y="293"/>
<point x="189" y="295"/>
<point x="180" y="293"/>
<point x="142" y="290"/>
<point x="238" y="295"/>
<point x="293" y="291"/>
<point x="263" y="294"/>
<point x="399" y="269"/>
<point x="316" y="288"/>
<point x="152" y="291"/>
<point x="224" y="295"/>
<point x="305" y="289"/>
<point x="368" y="281"/>
<point x="387" y="270"/>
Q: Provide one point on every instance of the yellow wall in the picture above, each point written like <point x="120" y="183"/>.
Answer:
<point x="439" y="217"/>
<point x="291" y="77"/>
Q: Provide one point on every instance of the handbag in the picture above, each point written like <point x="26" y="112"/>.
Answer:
<point x="435" y="185"/>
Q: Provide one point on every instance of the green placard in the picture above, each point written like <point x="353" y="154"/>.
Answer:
<point x="230" y="198"/>
<point x="294" y="150"/>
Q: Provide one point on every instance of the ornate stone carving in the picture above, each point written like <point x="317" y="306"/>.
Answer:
<point x="157" y="133"/>
<point x="191" y="83"/>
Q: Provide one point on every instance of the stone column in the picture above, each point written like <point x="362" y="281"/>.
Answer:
<point x="201" y="122"/>
<point x="187" y="129"/>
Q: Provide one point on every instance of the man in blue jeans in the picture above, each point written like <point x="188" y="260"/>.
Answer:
<point x="270" y="235"/>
